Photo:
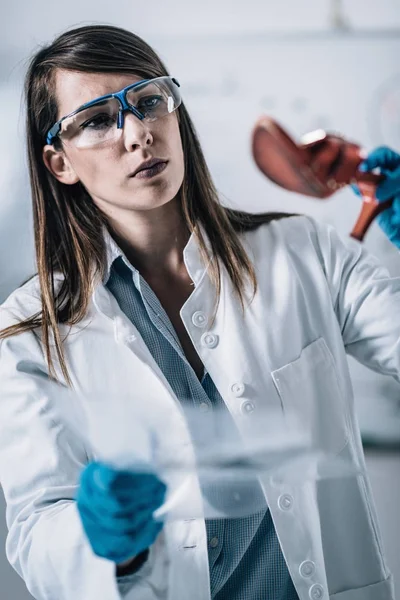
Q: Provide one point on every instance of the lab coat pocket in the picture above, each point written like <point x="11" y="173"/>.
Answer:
<point x="350" y="538"/>
<point x="310" y="394"/>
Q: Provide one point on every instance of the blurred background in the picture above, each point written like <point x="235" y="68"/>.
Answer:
<point x="312" y="64"/>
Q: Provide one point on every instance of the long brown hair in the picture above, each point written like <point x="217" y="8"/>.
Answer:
<point x="67" y="223"/>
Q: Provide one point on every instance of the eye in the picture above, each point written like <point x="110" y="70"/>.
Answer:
<point x="150" y="102"/>
<point x="99" y="121"/>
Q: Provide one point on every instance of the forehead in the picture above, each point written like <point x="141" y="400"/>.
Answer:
<point x="74" y="89"/>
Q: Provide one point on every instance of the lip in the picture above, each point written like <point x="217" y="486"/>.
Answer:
<point x="147" y="164"/>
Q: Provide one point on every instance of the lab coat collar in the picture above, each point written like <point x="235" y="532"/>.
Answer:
<point x="113" y="251"/>
<point x="195" y="264"/>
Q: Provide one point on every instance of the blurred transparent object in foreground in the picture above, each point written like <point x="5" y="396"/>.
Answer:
<point x="148" y="436"/>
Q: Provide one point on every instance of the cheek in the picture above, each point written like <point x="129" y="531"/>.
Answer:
<point x="176" y="143"/>
<point x="91" y="167"/>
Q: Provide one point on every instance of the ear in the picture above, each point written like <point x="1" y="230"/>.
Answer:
<point x="58" y="164"/>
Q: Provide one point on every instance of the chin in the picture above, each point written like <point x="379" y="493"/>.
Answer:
<point x="149" y="203"/>
<point x="153" y="197"/>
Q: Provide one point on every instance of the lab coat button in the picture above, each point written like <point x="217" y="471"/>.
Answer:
<point x="209" y="339"/>
<point x="247" y="407"/>
<point x="199" y="319"/>
<point x="307" y="568"/>
<point x="285" y="501"/>
<point x="237" y="389"/>
<point x="129" y="338"/>
<point x="316" y="592"/>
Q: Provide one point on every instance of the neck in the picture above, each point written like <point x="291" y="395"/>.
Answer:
<point x="153" y="240"/>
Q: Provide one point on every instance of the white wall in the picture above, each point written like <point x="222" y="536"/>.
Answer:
<point x="26" y="24"/>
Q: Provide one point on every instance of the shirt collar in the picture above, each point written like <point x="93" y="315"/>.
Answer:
<point x="192" y="257"/>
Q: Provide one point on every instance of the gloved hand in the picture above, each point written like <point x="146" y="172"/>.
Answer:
<point x="388" y="162"/>
<point x="116" y="510"/>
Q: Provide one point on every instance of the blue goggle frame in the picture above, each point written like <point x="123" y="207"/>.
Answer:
<point x="120" y="96"/>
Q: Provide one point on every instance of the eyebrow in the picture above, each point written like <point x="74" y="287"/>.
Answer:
<point x="98" y="103"/>
<point x="85" y="104"/>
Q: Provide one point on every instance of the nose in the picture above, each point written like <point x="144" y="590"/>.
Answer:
<point x="135" y="132"/>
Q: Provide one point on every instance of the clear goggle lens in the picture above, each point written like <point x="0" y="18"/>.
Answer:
<point x="98" y="123"/>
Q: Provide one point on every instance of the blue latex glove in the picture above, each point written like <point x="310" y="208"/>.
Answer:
<point x="116" y="509"/>
<point x="388" y="162"/>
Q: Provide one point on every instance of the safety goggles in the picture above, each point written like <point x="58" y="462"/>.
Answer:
<point x="101" y="120"/>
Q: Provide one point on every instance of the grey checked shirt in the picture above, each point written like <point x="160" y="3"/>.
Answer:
<point x="245" y="559"/>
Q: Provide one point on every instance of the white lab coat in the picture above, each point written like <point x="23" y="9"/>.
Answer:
<point x="318" y="298"/>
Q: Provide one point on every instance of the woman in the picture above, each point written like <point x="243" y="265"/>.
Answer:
<point x="147" y="284"/>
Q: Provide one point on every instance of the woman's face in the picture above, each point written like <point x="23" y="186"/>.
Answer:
<point x="106" y="171"/>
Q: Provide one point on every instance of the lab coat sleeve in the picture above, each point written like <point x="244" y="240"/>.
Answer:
<point x="40" y="462"/>
<point x="366" y="299"/>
